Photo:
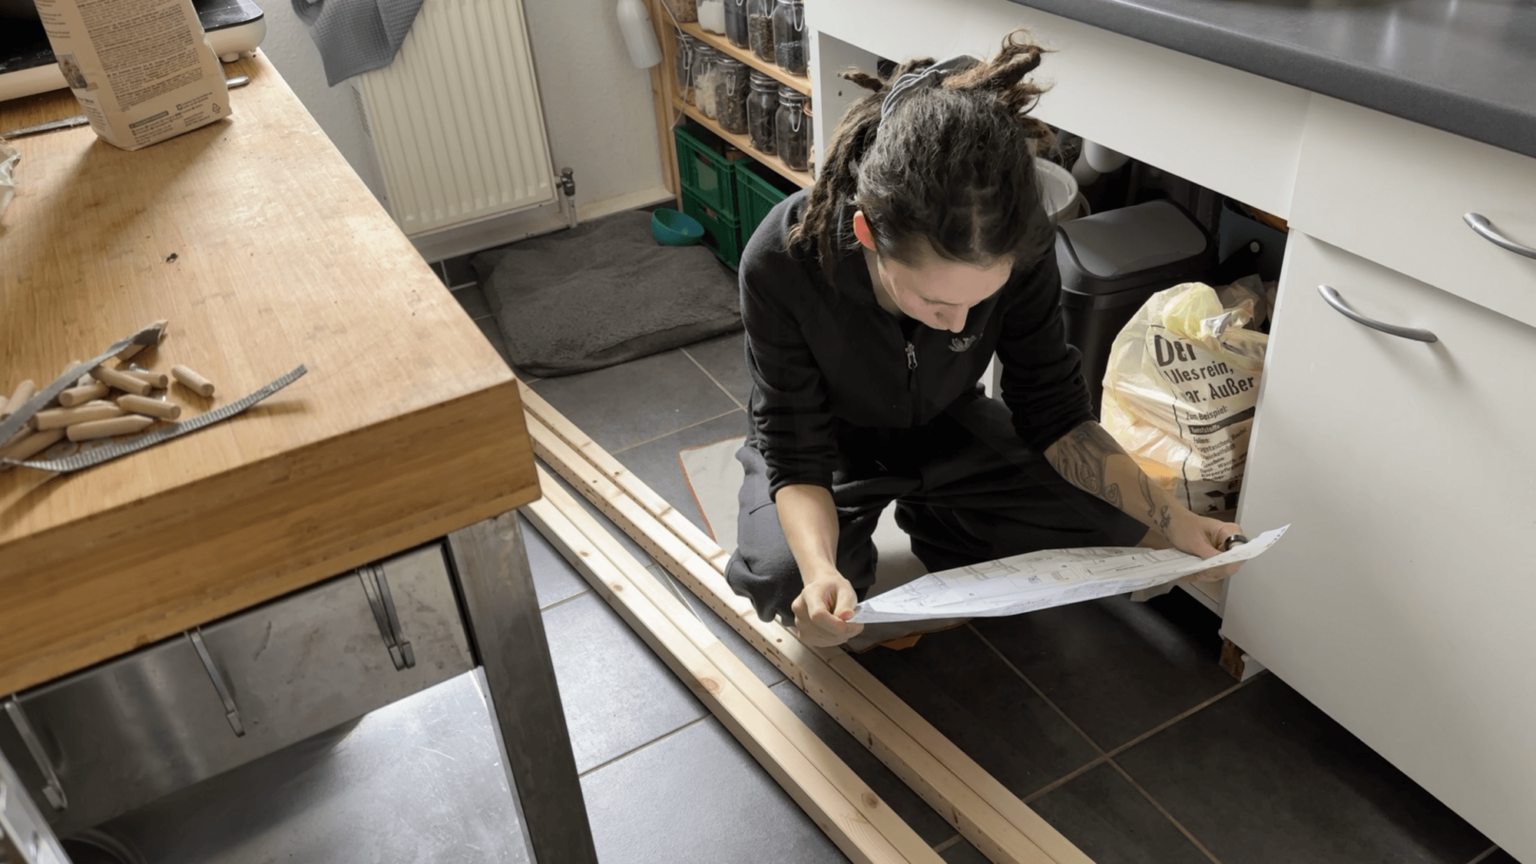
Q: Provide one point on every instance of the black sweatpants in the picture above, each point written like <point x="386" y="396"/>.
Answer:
<point x="966" y="488"/>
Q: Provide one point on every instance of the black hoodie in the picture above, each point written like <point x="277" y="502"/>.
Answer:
<point x="829" y="365"/>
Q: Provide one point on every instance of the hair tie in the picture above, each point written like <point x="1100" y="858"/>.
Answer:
<point x="933" y="76"/>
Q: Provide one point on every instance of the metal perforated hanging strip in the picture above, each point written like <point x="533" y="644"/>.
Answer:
<point x="164" y="433"/>
<point x="11" y="425"/>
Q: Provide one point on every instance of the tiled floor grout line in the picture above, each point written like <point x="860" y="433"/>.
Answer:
<point x="629" y="447"/>
<point x="683" y="728"/>
<point x="1489" y="851"/>
<point x="945" y="844"/>
<point x="1038" y="692"/>
<point x="1108" y="756"/>
<point x="1184" y="716"/>
<point x="584" y="591"/>
<point x="1188" y="835"/>
<point x="1065" y="779"/>
<point x="711" y="377"/>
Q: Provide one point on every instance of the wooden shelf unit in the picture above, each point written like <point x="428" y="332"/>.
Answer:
<point x="745" y="55"/>
<point x="744" y="143"/>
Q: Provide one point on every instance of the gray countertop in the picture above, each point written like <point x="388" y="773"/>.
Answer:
<point x="1465" y="66"/>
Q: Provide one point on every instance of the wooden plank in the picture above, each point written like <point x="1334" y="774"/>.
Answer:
<point x="406" y="427"/>
<point x="663" y="92"/>
<point x="821" y="783"/>
<point x="943" y="785"/>
<point x="745" y="55"/>
<point x="744" y="144"/>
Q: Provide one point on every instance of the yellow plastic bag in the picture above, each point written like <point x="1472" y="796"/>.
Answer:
<point x="1181" y="387"/>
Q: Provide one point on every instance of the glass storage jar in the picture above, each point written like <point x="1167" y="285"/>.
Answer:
<point x="760" y="28"/>
<point x="736" y="22"/>
<point x="762" y="105"/>
<point x="792" y="129"/>
<point x="703" y="81"/>
<point x="789" y="36"/>
<point x="684" y="63"/>
<point x="731" y="84"/>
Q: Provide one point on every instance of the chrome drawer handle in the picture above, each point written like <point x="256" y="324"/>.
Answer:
<point x="1479" y="223"/>
<point x="376" y="587"/>
<point x="1337" y="302"/>
<point x="53" y="790"/>
<point x="231" y="712"/>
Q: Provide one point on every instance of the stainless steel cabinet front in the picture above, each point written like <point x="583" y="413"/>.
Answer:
<point x="139" y="727"/>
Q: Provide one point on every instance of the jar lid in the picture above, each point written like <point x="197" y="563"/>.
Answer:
<point x="763" y="79"/>
<point x="731" y="63"/>
<point x="704" y="49"/>
<point x="788" y="93"/>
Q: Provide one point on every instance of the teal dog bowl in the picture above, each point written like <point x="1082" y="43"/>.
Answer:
<point x="671" y="228"/>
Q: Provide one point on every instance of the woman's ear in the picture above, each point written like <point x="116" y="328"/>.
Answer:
<point x="861" y="230"/>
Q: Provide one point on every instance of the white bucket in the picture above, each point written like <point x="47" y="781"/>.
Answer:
<point x="1058" y="190"/>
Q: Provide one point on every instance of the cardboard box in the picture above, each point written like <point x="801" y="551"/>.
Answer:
<point x="142" y="69"/>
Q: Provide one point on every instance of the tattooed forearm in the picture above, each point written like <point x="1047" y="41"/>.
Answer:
<point x="1091" y="459"/>
<point x="1082" y="455"/>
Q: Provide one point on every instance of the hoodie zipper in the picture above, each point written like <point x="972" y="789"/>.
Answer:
<point x="911" y="355"/>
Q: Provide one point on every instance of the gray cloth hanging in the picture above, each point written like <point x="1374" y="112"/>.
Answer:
<point x="356" y="36"/>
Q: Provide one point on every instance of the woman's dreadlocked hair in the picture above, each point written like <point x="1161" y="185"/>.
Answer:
<point x="953" y="165"/>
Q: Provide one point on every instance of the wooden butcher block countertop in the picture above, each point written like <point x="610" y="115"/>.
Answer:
<point x="264" y="250"/>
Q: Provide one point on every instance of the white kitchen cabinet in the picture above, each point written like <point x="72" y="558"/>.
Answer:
<point x="1397" y="192"/>
<point x="1401" y="601"/>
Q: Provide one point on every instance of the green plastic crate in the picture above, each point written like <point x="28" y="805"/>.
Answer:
<point x="704" y="170"/>
<point x="758" y="189"/>
<point x="722" y="235"/>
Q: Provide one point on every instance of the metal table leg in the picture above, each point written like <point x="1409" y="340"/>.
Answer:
<point x="507" y="633"/>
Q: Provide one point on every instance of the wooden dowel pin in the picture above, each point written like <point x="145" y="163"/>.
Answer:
<point x="157" y="380"/>
<point x="192" y="381"/>
<point x="33" y="444"/>
<point x="75" y="396"/>
<point x="108" y="428"/>
<point x="23" y="392"/>
<point x="121" y="380"/>
<point x="60" y="418"/>
<point x="149" y="407"/>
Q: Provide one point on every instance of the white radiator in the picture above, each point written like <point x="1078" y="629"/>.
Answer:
<point x="456" y="119"/>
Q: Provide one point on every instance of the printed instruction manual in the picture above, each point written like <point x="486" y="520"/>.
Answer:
<point x="1040" y="580"/>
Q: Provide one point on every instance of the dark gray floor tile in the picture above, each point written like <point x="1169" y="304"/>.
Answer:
<point x="963" y="853"/>
<point x="960" y="686"/>
<point x="378" y="790"/>
<point x="631" y="546"/>
<point x="722" y="357"/>
<point x="764" y="670"/>
<point x="658" y="465"/>
<point x="1117" y="668"/>
<point x="457" y="271"/>
<point x="1264" y="776"/>
<point x="624" y="405"/>
<point x="697" y="798"/>
<point x="928" y="824"/>
<point x="1113" y="823"/>
<point x="617" y="694"/>
<point x="473" y="300"/>
<point x="554" y="579"/>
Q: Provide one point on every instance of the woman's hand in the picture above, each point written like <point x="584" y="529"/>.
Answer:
<point x="822" y="610"/>
<point x="1200" y="535"/>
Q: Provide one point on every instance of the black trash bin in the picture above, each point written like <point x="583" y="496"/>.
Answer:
<point x="1112" y="262"/>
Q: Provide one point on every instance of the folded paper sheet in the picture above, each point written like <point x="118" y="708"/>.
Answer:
<point x="1040" y="580"/>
